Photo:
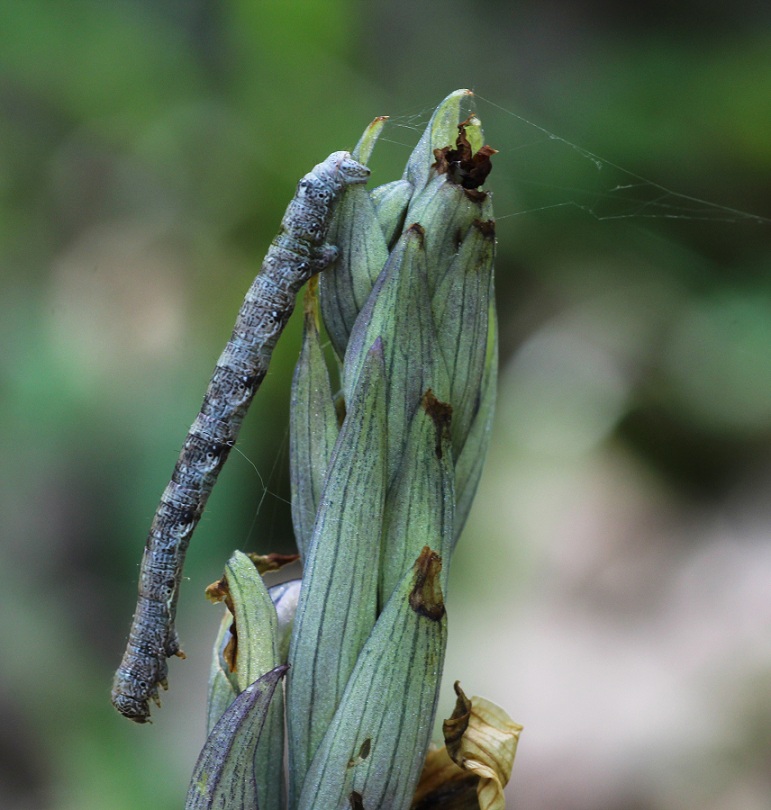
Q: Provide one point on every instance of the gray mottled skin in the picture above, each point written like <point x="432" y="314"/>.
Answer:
<point x="296" y="254"/>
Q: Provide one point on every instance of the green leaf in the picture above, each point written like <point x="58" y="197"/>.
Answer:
<point x="362" y="252"/>
<point x="374" y="748"/>
<point x="421" y="503"/>
<point x="474" y="133"/>
<point x="223" y="684"/>
<point x="446" y="211"/>
<point x="363" y="149"/>
<point x="257" y="653"/>
<point x="255" y="620"/>
<point x="338" y="600"/>
<point x="468" y="469"/>
<point x="461" y="314"/>
<point x="391" y="201"/>
<point x="224" y="775"/>
<point x="399" y="312"/>
<point x="313" y="429"/>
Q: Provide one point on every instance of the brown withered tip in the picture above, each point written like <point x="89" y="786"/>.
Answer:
<point x="467" y="170"/>
<point x="218" y="591"/>
<point x="454" y="727"/>
<point x="271" y="562"/>
<point x="426" y="596"/>
<point x="441" y="415"/>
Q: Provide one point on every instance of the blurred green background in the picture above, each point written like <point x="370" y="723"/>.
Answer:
<point x="612" y="589"/>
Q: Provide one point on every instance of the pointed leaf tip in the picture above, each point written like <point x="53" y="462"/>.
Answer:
<point x="224" y="773"/>
<point x="363" y="149"/>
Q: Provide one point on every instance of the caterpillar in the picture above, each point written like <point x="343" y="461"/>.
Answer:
<point x="297" y="253"/>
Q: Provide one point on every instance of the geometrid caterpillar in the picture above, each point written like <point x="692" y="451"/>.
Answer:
<point x="296" y="254"/>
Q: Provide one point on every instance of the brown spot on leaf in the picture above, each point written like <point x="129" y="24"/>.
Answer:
<point x="441" y="414"/>
<point x="426" y="595"/>
<point x="418" y="229"/>
<point x="357" y="801"/>
<point x="486" y="227"/>
<point x="364" y="750"/>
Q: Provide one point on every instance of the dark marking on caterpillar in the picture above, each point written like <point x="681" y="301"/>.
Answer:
<point x="296" y="254"/>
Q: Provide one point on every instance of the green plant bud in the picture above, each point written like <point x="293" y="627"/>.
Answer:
<point x="256" y="644"/>
<point x="313" y="428"/>
<point x="391" y="201"/>
<point x="362" y="252"/>
<point x="460" y="308"/>
<point x="223" y="682"/>
<point x="225" y="773"/>
<point x="421" y="503"/>
<point x="338" y="599"/>
<point x="446" y="211"/>
<point x="373" y="751"/>
<point x="398" y="311"/>
<point x="468" y="468"/>
<point x="441" y="131"/>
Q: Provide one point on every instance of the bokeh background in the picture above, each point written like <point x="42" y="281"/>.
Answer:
<point x="613" y="588"/>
